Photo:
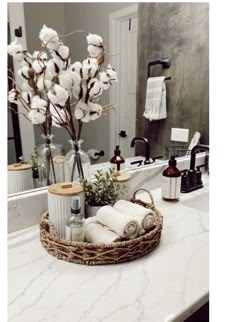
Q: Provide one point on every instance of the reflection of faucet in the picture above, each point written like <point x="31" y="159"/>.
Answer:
<point x="192" y="179"/>
<point x="147" y="147"/>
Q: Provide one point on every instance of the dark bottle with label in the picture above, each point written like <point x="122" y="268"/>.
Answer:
<point x="171" y="181"/>
<point x="117" y="162"/>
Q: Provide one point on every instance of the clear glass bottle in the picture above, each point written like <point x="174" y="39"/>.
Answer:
<point x="70" y="162"/>
<point x="74" y="229"/>
<point x="46" y="153"/>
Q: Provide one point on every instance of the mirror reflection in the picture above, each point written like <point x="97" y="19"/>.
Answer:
<point x="158" y="108"/>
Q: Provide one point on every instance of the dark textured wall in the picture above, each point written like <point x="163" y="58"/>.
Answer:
<point x="179" y="31"/>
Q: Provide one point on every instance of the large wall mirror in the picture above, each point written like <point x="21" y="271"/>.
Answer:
<point x="134" y="35"/>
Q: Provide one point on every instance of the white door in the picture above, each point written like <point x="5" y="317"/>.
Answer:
<point x="123" y="43"/>
<point x="127" y="78"/>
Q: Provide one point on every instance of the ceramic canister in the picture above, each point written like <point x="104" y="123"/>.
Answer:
<point x="20" y="177"/>
<point x="59" y="203"/>
<point x="123" y="181"/>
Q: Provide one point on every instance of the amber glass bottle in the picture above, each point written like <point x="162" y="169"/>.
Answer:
<point x="117" y="162"/>
<point x="171" y="181"/>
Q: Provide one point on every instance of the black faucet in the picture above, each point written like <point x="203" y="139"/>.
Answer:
<point x="147" y="148"/>
<point x="192" y="179"/>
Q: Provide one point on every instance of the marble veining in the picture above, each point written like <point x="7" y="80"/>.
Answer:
<point x="165" y="285"/>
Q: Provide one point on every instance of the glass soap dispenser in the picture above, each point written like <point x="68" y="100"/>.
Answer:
<point x="171" y="181"/>
<point x="74" y="229"/>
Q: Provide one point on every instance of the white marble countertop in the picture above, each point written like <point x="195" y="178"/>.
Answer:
<point x="167" y="285"/>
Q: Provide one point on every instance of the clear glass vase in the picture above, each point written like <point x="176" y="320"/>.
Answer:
<point x="76" y="163"/>
<point x="46" y="153"/>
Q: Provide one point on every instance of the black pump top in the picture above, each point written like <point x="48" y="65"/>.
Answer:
<point x="117" y="150"/>
<point x="172" y="161"/>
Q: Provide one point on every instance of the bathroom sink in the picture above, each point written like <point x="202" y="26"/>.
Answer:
<point x="199" y="202"/>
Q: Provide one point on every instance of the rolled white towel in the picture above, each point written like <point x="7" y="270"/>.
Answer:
<point x="144" y="216"/>
<point x="96" y="233"/>
<point x="124" y="225"/>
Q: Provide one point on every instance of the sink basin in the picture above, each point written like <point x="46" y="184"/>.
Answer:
<point x="200" y="202"/>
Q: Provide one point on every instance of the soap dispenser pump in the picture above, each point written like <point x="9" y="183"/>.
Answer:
<point x="171" y="181"/>
<point x="117" y="161"/>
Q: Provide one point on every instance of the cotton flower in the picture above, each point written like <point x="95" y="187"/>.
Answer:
<point x="64" y="52"/>
<point x="16" y="50"/>
<point x="38" y="104"/>
<point x="36" y="117"/>
<point x="51" y="68"/>
<point x="86" y="117"/>
<point x="24" y="72"/>
<point x="93" y="39"/>
<point x="26" y="86"/>
<point x="49" y="38"/>
<point x="81" y="109"/>
<point x="59" y="116"/>
<point x="104" y="79"/>
<point x="38" y="66"/>
<point x="58" y="95"/>
<point x="89" y="68"/>
<point x="94" y="88"/>
<point x="13" y="96"/>
<point x="95" y="45"/>
<point x="95" y="110"/>
<point x="65" y="79"/>
<point x="42" y="56"/>
<point x="76" y="67"/>
<point x="111" y="73"/>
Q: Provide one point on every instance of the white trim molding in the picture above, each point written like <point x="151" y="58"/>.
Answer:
<point x="114" y="48"/>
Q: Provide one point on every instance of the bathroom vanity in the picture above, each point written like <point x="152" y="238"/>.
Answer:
<point x="169" y="284"/>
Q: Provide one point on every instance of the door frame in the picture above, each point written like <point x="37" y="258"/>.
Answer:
<point x="16" y="18"/>
<point x="115" y="19"/>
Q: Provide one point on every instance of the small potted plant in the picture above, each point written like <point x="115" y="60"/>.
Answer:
<point x="103" y="190"/>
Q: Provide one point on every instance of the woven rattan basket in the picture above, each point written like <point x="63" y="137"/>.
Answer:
<point x="97" y="254"/>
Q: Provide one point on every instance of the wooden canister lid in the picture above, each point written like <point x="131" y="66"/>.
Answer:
<point x="19" y="167"/>
<point x="123" y="177"/>
<point x="65" y="189"/>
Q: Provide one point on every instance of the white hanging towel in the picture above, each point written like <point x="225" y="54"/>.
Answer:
<point x="155" y="107"/>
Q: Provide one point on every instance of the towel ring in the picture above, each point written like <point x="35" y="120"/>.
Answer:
<point x="165" y="62"/>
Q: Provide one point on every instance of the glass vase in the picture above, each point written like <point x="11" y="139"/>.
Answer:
<point x="76" y="163"/>
<point x="47" y="151"/>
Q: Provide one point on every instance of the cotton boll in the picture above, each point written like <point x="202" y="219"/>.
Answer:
<point x="60" y="64"/>
<point x="52" y="96"/>
<point x="38" y="66"/>
<point x="94" y="88"/>
<point x="65" y="79"/>
<point x="38" y="103"/>
<point x="86" y="118"/>
<point x="104" y="79"/>
<point x="47" y="83"/>
<point x="83" y="106"/>
<point x="76" y="91"/>
<point x="79" y="113"/>
<point x="76" y="79"/>
<point x="62" y="94"/>
<point x="36" y="117"/>
<point x="40" y="83"/>
<point x="77" y="66"/>
<point x="64" y="51"/>
<point x="95" y="110"/>
<point x="49" y="38"/>
<point x="93" y="39"/>
<point x="94" y="51"/>
<point x="24" y="72"/>
<point x="13" y="96"/>
<point x="50" y="69"/>
<point x="111" y="73"/>
<point x="14" y="48"/>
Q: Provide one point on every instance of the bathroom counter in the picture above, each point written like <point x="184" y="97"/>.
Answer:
<point x="168" y="284"/>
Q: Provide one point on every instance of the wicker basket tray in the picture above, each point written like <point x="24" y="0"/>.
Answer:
<point x="97" y="254"/>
